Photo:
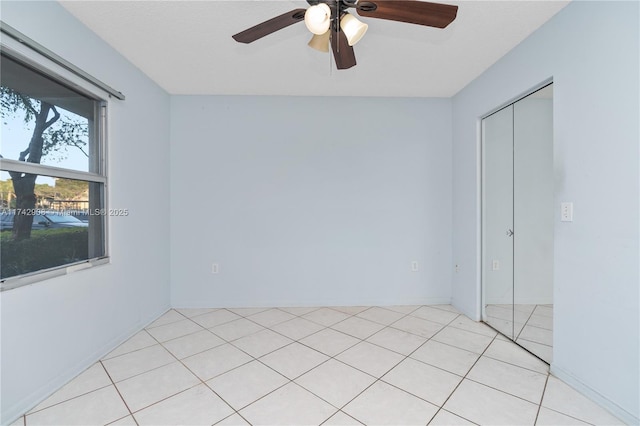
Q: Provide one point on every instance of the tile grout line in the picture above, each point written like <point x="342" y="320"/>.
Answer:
<point x="337" y="322"/>
<point x="182" y="391"/>
<point x="292" y="340"/>
<point x="556" y="411"/>
<point x="202" y="382"/>
<point x="452" y="413"/>
<point x="277" y="372"/>
<point x="218" y="324"/>
<point x="33" y="411"/>
<point x="225" y="341"/>
<point x="525" y="323"/>
<point x="500" y="390"/>
<point x="119" y="394"/>
<point x="313" y="368"/>
<point x="231" y="415"/>
<point x="544" y="389"/>
<point x="461" y="381"/>
<point x="443" y="326"/>
<point x="533" y="341"/>
<point x="131" y="351"/>
<point x="519" y="345"/>
<point x="339" y="411"/>
<point x="168" y="323"/>
<point x="570" y="416"/>
<point x="538" y="327"/>
<point x="517" y="365"/>
<point x="262" y="363"/>
<point x="379" y="379"/>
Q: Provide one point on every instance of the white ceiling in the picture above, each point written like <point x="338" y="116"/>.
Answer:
<point x="186" y="47"/>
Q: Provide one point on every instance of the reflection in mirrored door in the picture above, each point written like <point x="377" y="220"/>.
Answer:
<point x="533" y="220"/>
<point x="517" y="225"/>
<point x="497" y="130"/>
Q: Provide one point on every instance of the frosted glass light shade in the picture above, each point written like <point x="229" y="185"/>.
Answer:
<point x="352" y="28"/>
<point x="318" y="18"/>
<point x="320" y="42"/>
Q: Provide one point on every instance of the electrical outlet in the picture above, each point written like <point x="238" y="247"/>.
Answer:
<point x="414" y="266"/>
<point x="566" y="212"/>
<point x="495" y="265"/>
<point x="457" y="268"/>
<point x="215" y="268"/>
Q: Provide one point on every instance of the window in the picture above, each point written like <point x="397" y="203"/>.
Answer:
<point x="52" y="173"/>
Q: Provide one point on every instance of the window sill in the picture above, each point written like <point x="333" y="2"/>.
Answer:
<point x="35" y="277"/>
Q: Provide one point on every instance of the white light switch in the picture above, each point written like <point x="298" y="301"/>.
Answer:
<point x="495" y="265"/>
<point x="566" y="212"/>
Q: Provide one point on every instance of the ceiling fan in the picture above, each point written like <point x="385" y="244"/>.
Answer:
<point x="332" y="24"/>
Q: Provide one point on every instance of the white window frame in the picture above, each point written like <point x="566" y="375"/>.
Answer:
<point x="25" y="50"/>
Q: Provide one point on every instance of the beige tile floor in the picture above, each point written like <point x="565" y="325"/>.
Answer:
<point x="394" y="365"/>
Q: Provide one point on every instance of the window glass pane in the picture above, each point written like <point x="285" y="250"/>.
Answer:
<point x="45" y="122"/>
<point x="52" y="212"/>
<point x="66" y="225"/>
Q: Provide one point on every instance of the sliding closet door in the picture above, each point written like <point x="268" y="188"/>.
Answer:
<point x="533" y="222"/>
<point x="517" y="221"/>
<point x="497" y="268"/>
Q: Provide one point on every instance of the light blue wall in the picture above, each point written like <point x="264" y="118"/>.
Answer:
<point x="54" y="329"/>
<point x="310" y="201"/>
<point x="591" y="50"/>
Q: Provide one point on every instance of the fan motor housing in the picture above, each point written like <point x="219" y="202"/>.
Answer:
<point x="343" y="5"/>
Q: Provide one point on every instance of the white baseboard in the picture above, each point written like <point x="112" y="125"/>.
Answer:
<point x="595" y="396"/>
<point x="194" y="304"/>
<point x="509" y="301"/>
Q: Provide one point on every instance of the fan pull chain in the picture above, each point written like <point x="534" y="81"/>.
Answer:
<point x="336" y="25"/>
<point x="331" y="57"/>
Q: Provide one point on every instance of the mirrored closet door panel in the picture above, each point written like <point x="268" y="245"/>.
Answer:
<point x="517" y="222"/>
<point x="497" y="130"/>
<point x="533" y="222"/>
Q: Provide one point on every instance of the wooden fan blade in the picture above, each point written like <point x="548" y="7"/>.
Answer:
<point x="270" y="26"/>
<point x="413" y="12"/>
<point x="342" y="52"/>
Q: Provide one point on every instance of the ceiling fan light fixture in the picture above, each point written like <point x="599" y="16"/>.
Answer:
<point x="346" y="30"/>
<point x="318" y="18"/>
<point x="352" y="28"/>
<point x="320" y="42"/>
